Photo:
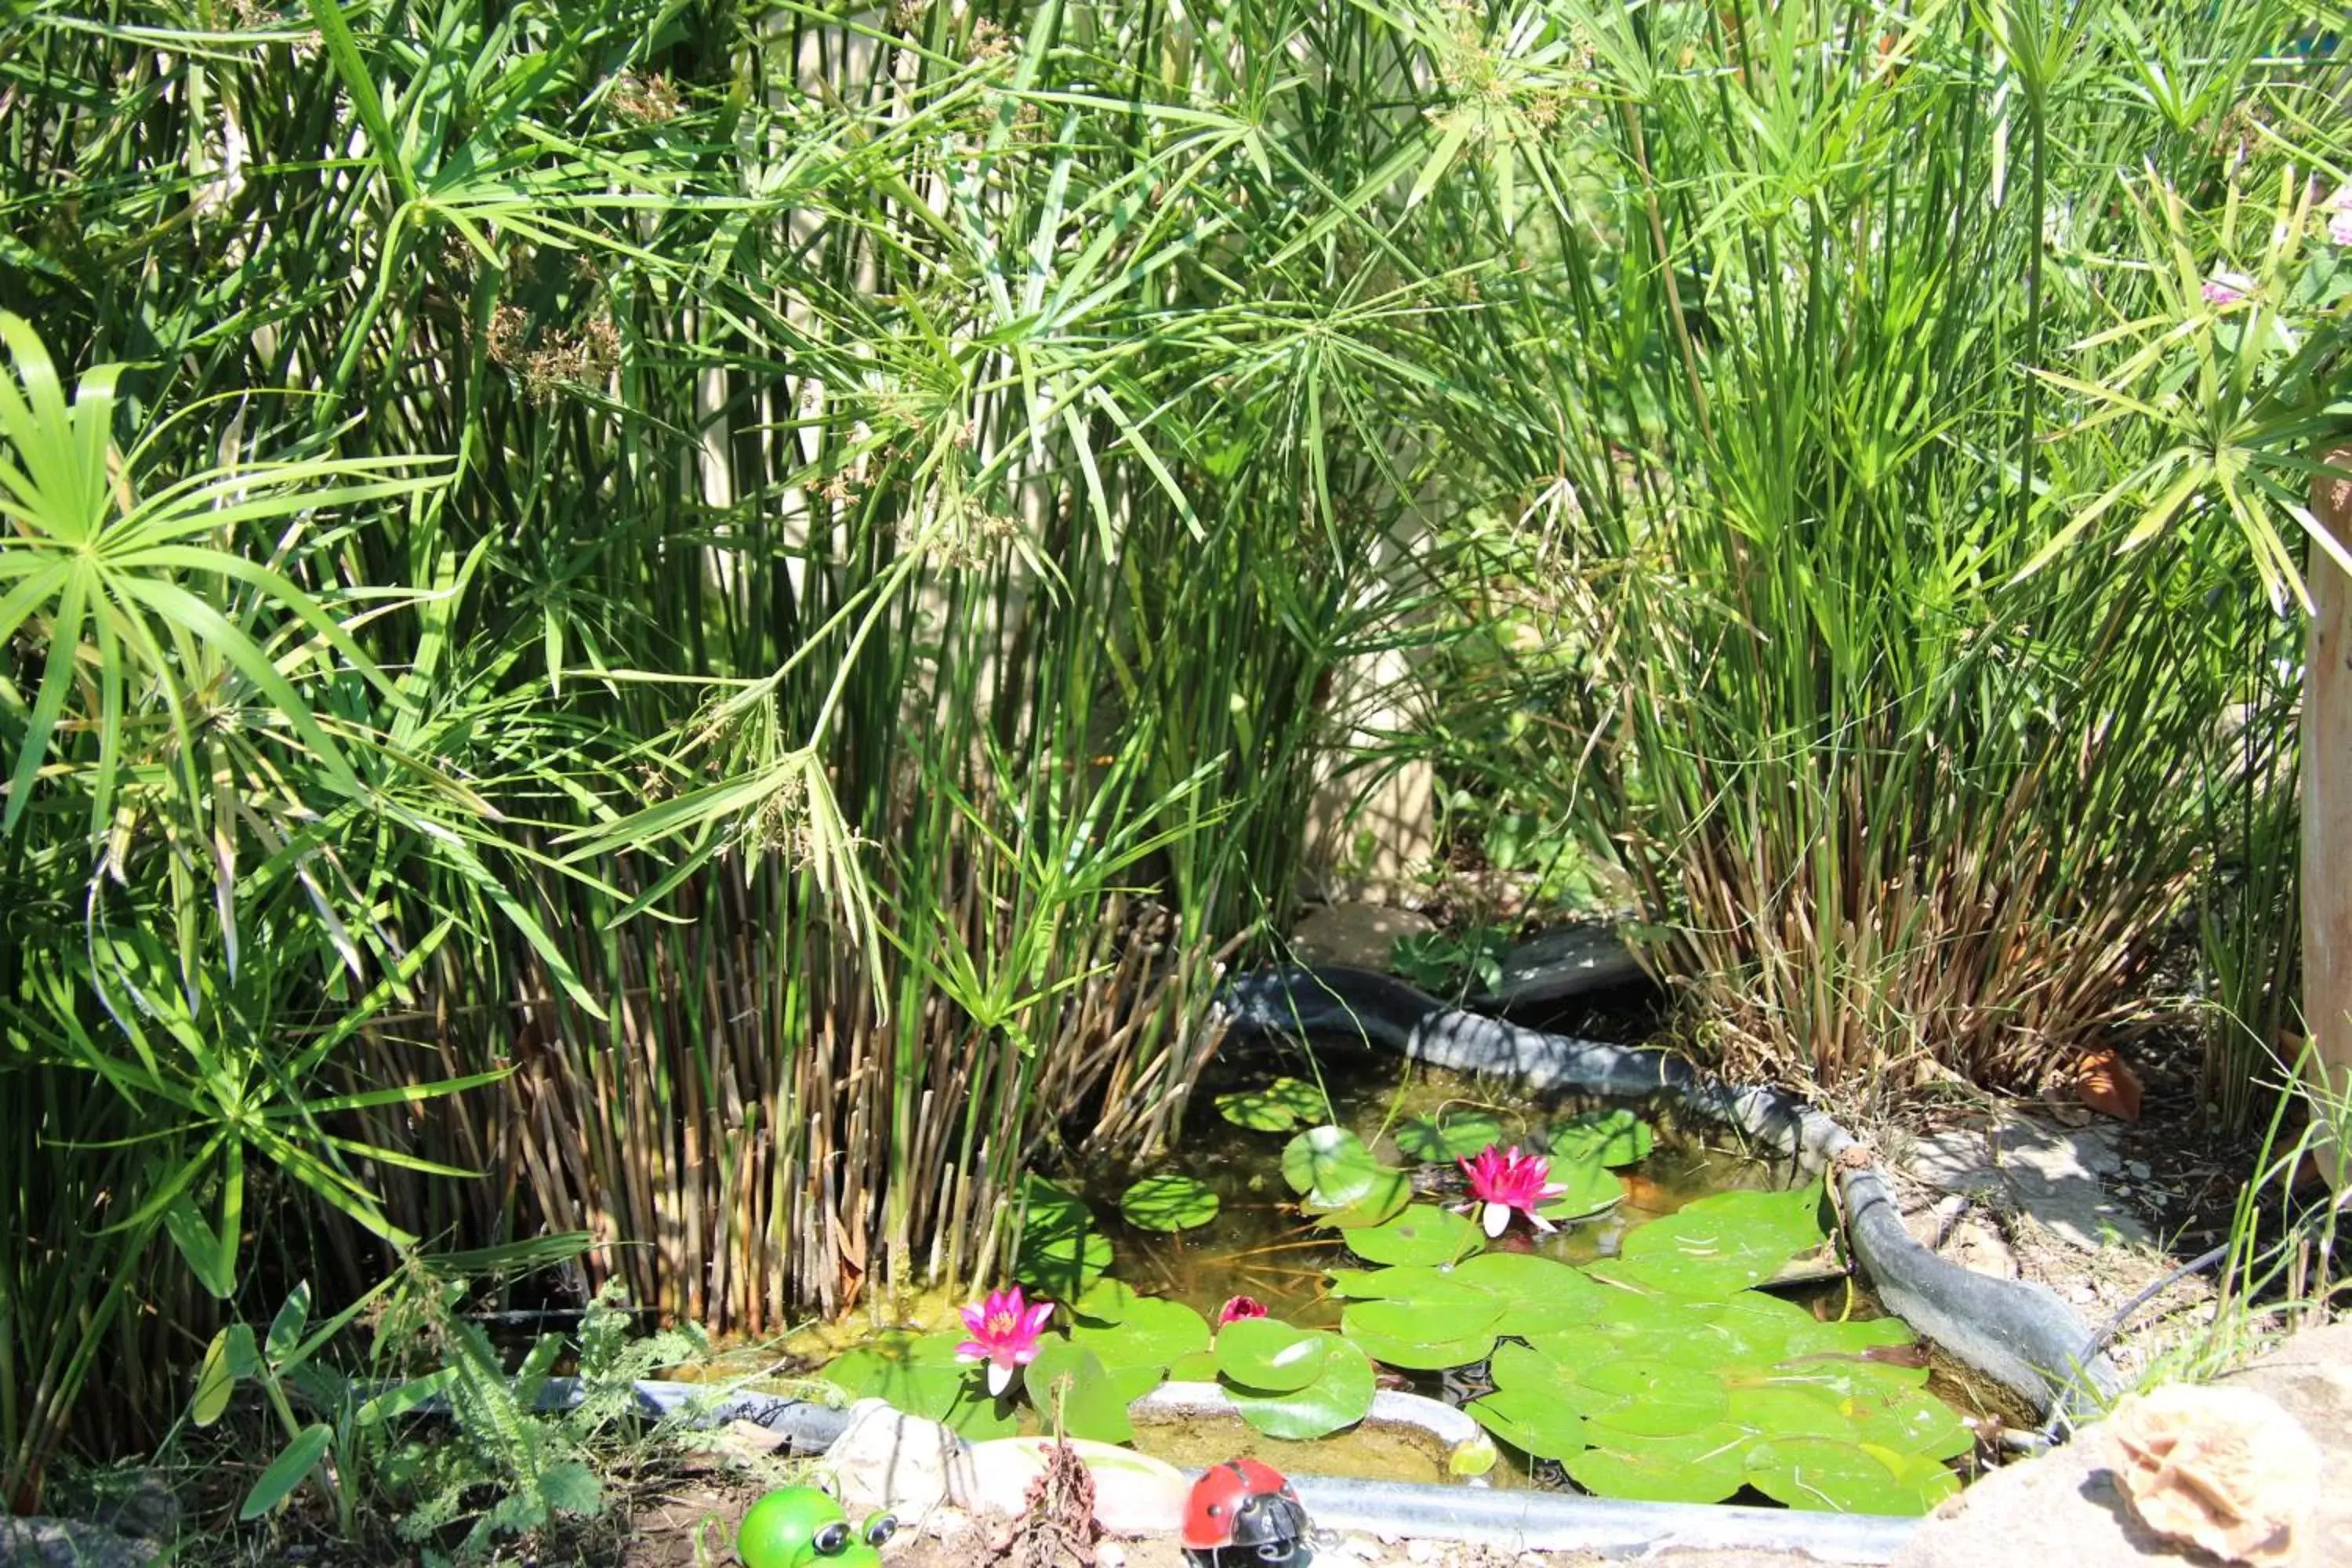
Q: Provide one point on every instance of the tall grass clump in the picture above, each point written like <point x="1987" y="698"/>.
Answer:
<point x="690" y="622"/>
<point x="1820" y="345"/>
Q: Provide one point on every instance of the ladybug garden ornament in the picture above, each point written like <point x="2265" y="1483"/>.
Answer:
<point x="801" y="1527"/>
<point x="1241" y="1512"/>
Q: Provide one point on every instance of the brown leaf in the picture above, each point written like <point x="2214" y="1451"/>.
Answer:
<point x="2106" y="1083"/>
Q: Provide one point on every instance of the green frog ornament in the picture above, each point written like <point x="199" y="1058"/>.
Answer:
<point x="801" y="1527"/>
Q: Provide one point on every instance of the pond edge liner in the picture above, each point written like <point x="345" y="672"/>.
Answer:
<point x="1569" y="1521"/>
<point x="1515" y="1521"/>
<point x="2015" y="1331"/>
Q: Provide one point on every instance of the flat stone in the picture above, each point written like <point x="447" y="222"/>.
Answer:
<point x="1360" y="935"/>
<point x="2071" y="1504"/>
<point x="38" y="1543"/>
<point x="137" y="1501"/>
<point x="2051" y="1174"/>
<point x="887" y="1459"/>
<point x="2311" y="1377"/>
<point x="1570" y="962"/>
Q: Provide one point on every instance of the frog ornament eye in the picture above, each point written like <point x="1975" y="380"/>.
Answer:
<point x="802" y="1527"/>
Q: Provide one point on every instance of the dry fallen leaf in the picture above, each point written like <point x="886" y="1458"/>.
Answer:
<point x="2106" y="1082"/>
<point x="2222" y="1469"/>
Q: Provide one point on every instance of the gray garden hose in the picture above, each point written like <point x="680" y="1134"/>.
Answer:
<point x="2016" y="1333"/>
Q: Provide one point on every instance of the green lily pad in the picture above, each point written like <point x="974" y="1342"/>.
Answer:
<point x="1106" y="1300"/>
<point x="1592" y="1188"/>
<point x="1605" y="1136"/>
<point x="1756" y="1328"/>
<point x="1390" y="1191"/>
<point x="1474" y="1456"/>
<point x="1062" y="1251"/>
<point x="920" y="1374"/>
<point x="1419" y="1283"/>
<point x="1169" y="1202"/>
<point x="1200" y="1366"/>
<point x="1268" y="1355"/>
<point x="1925" y="1481"/>
<point x="1285" y="1104"/>
<point x="1340" y="1396"/>
<point x="1406" y="1334"/>
<point x="1910" y="1422"/>
<point x="1523" y="1280"/>
<point x="1854" y="1337"/>
<point x="1651" y="1397"/>
<point x="1719" y="1244"/>
<point x="1825" y="1474"/>
<point x="1781" y="1410"/>
<point x="1529" y="1423"/>
<point x="1452" y="1137"/>
<point x="1092" y="1399"/>
<point x="1329" y="1167"/>
<point x="1705" y="1466"/>
<point x="1517" y="1370"/>
<point x="1153" y="1333"/>
<point x="1423" y="1234"/>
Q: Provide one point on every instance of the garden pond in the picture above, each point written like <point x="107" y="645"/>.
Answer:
<point x="1619" y="1306"/>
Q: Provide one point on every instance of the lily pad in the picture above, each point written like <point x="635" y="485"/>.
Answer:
<point x="1418" y="1283"/>
<point x="1823" y="1473"/>
<point x="1781" y="1410"/>
<point x="1200" y="1366"/>
<point x="1610" y="1138"/>
<point x="1705" y="1466"/>
<point x="1062" y="1250"/>
<point x="1329" y="1167"/>
<point x="1531" y="1423"/>
<point x="1390" y="1191"/>
<point x="1269" y="1356"/>
<point x="1719" y="1244"/>
<point x="1285" y="1104"/>
<point x="1154" y="1333"/>
<point x="1910" y="1422"/>
<point x="1092" y="1398"/>
<point x="1452" y="1137"/>
<point x="1169" y="1202"/>
<point x="1340" y="1396"/>
<point x="1592" y="1188"/>
<point x="1104" y="1302"/>
<point x="1656" y="1398"/>
<point x="1405" y="1334"/>
<point x="1422" y="1234"/>
<point x="921" y="1375"/>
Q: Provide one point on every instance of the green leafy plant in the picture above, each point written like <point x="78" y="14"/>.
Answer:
<point x="512" y="1465"/>
<point x="1444" y="962"/>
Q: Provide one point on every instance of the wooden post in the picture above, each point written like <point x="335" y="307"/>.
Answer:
<point x="2328" y="816"/>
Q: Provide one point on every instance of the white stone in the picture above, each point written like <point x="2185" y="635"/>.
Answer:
<point x="887" y="1459"/>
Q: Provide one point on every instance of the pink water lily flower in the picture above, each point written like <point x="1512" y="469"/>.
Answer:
<point x="1502" y="1182"/>
<point x="1239" y="1306"/>
<point x="1004" y="1330"/>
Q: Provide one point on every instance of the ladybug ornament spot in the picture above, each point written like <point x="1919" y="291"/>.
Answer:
<point x="1243" y="1514"/>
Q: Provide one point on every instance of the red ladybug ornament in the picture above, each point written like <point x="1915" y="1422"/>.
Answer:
<point x="1245" y="1508"/>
